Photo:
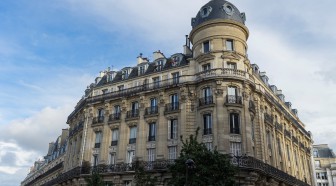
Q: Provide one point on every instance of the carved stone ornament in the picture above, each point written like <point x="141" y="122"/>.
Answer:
<point x="246" y="95"/>
<point x="207" y="139"/>
<point x="172" y="142"/>
<point x="219" y="92"/>
<point x="95" y="151"/>
<point x="97" y="129"/>
<point x="112" y="149"/>
<point x="131" y="124"/>
<point x="150" y="145"/>
<point x="230" y="55"/>
<point x="235" y="138"/>
<point x="114" y="126"/>
<point x="169" y="117"/>
<point x="151" y="120"/>
<point x="205" y="57"/>
<point x="130" y="147"/>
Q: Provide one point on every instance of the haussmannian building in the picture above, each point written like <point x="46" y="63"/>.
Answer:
<point x="324" y="165"/>
<point x="141" y="112"/>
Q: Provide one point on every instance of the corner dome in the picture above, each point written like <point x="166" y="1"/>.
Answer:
<point x="218" y="9"/>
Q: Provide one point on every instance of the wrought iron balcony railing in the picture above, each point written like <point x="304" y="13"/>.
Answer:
<point x="295" y="140"/>
<point x="114" y="142"/>
<point x="151" y="110"/>
<point x="207" y="131"/>
<point x="114" y="117"/>
<point x="97" y="145"/>
<point x="99" y="119"/>
<point x="206" y="101"/>
<point x="287" y="133"/>
<point x="244" y="163"/>
<point x="132" y="140"/>
<point x="233" y="99"/>
<point x="268" y="118"/>
<point x="151" y="138"/>
<point x="172" y="107"/>
<point x="132" y="114"/>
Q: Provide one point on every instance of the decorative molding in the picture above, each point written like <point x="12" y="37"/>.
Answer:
<point x="132" y="123"/>
<point x="150" y="145"/>
<point x="207" y="138"/>
<point x="205" y="57"/>
<point x="172" y="142"/>
<point x="130" y="147"/>
<point x="235" y="138"/>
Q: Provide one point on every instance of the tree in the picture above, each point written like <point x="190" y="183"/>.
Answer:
<point x="95" y="179"/>
<point x="211" y="168"/>
<point x="142" y="177"/>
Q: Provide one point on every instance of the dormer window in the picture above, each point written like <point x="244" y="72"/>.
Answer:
<point x="175" y="61"/>
<point x="142" y="69"/>
<point x="205" y="11"/>
<point x="159" y="65"/>
<point x="124" y="74"/>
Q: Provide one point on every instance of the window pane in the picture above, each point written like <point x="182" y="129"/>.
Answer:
<point x="206" y="46"/>
<point x="229" y="45"/>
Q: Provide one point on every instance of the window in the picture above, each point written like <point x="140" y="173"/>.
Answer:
<point x="269" y="140"/>
<point x="252" y="126"/>
<point x="288" y="153"/>
<point x="151" y="135"/>
<point x="174" y="101"/>
<point x="207" y="95"/>
<point x="235" y="148"/>
<point x="229" y="45"/>
<point x="95" y="160"/>
<point x="151" y="154"/>
<point x="112" y="158"/>
<point x="209" y="146"/>
<point x="234" y="123"/>
<point x="172" y="152"/>
<point x="159" y="65"/>
<point x="175" y="61"/>
<point x="133" y="134"/>
<point x="206" y="67"/>
<point x="135" y="109"/>
<point x="318" y="175"/>
<point x="317" y="164"/>
<point x="279" y="147"/>
<point x="232" y="95"/>
<point x="156" y="82"/>
<point x="324" y="176"/>
<point x="98" y="139"/>
<point x="141" y="70"/>
<point x="232" y="66"/>
<point x="176" y="77"/>
<point x="130" y="156"/>
<point x="205" y="11"/>
<point x="115" y="136"/>
<point x="315" y="153"/>
<point x="124" y="74"/>
<point x="172" y="129"/>
<point x="206" y="46"/>
<point x="207" y="124"/>
<point x="105" y="91"/>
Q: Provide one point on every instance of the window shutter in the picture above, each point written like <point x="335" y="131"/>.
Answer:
<point x="169" y="129"/>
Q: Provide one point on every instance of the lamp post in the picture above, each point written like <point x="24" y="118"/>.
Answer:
<point x="190" y="164"/>
<point x="238" y="158"/>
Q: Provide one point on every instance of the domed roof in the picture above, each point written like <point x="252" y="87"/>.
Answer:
<point x="218" y="9"/>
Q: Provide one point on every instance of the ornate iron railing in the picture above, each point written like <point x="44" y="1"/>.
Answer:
<point x="114" y="143"/>
<point x="287" y="133"/>
<point x="132" y="114"/>
<point x="132" y="140"/>
<point x="278" y="126"/>
<point x="76" y="129"/>
<point x="172" y="107"/>
<point x="206" y="101"/>
<point x="295" y="140"/>
<point x="151" y="138"/>
<point x="268" y="118"/>
<point x="233" y="99"/>
<point x="207" y="131"/>
<point x="114" y="117"/>
<point x="151" y="110"/>
<point x="243" y="163"/>
<point x="99" y="119"/>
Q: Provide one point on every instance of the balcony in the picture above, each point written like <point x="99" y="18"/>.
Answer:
<point x="97" y="120"/>
<point x="132" y="114"/>
<point x="97" y="145"/>
<point x="114" y="143"/>
<point x="151" y="138"/>
<point x="295" y="140"/>
<point x="220" y="72"/>
<point x="268" y="118"/>
<point x="233" y="100"/>
<point x="132" y="140"/>
<point x="206" y="101"/>
<point x="114" y="117"/>
<point x="172" y="107"/>
<point x="287" y="133"/>
<point x="207" y="131"/>
<point x="278" y="126"/>
<point x="151" y="110"/>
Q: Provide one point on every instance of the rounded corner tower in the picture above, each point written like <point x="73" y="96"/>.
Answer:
<point x="218" y="27"/>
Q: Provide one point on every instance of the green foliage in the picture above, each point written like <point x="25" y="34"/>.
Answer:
<point x="211" y="168"/>
<point x="142" y="177"/>
<point x="95" y="179"/>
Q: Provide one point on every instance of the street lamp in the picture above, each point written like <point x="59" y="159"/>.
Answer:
<point x="190" y="164"/>
<point x="239" y="159"/>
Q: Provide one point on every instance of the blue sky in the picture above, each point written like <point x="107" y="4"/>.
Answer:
<point x="51" y="50"/>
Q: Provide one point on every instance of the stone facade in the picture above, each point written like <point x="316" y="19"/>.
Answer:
<point x="324" y="165"/>
<point x="140" y="112"/>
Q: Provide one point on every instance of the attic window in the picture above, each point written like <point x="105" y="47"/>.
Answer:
<point x="175" y="61"/>
<point x="205" y="11"/>
<point x="125" y="74"/>
<point x="228" y="9"/>
<point x="159" y="65"/>
<point x="142" y="70"/>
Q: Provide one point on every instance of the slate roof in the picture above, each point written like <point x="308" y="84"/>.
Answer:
<point x="217" y="12"/>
